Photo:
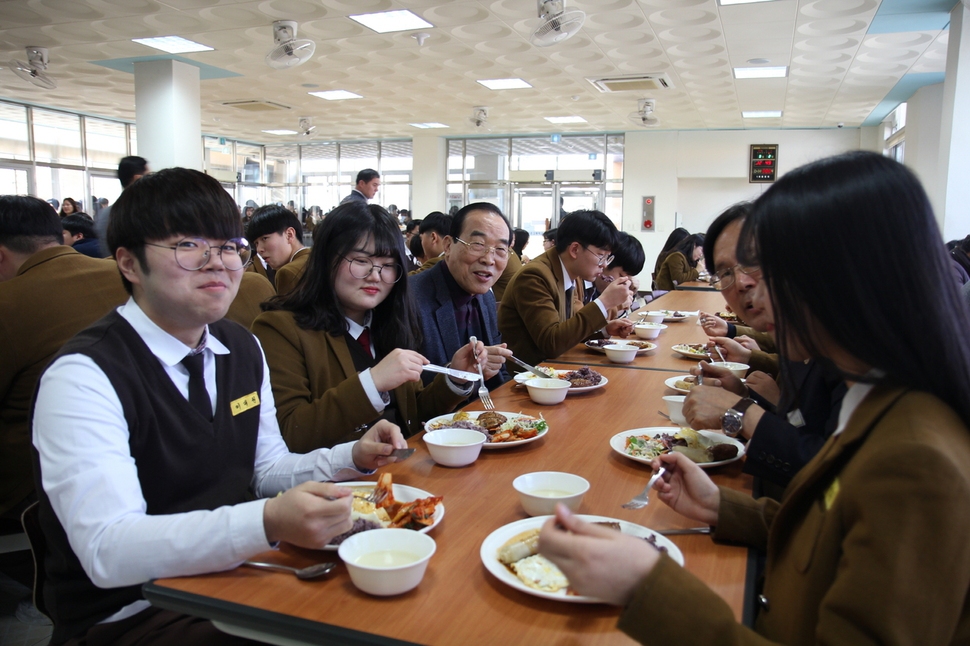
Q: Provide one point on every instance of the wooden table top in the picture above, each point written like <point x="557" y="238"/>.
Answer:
<point x="458" y="600"/>
<point x="695" y="285"/>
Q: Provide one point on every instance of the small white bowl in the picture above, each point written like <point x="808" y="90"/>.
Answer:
<point x="548" y="391"/>
<point x="540" y="491"/>
<point x="454" y="447"/>
<point x="651" y="317"/>
<point x="739" y="370"/>
<point x="620" y="353"/>
<point x="649" y="330"/>
<point x="675" y="408"/>
<point x="371" y="559"/>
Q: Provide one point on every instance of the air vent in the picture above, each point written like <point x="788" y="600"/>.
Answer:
<point x="256" y="106"/>
<point x="632" y="83"/>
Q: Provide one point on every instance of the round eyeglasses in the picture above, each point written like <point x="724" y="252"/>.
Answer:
<point x="602" y="259"/>
<point x="361" y="268"/>
<point x="725" y="278"/>
<point x="477" y="249"/>
<point x="192" y="254"/>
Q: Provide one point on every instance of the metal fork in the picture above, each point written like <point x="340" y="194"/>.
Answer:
<point x="482" y="391"/>
<point x="376" y="496"/>
<point x="643" y="498"/>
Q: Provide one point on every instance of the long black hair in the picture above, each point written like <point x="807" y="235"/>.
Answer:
<point x="314" y="299"/>
<point x="687" y="246"/>
<point x="849" y="247"/>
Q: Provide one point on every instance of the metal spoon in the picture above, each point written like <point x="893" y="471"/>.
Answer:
<point x="311" y="572"/>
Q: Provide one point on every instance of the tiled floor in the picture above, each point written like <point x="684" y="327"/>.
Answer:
<point x="14" y="632"/>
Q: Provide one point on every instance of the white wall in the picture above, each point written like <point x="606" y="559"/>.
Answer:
<point x="922" y="155"/>
<point x="429" y="191"/>
<point x="696" y="174"/>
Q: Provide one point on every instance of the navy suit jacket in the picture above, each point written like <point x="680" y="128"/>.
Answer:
<point x="354" y="195"/>
<point x="439" y="327"/>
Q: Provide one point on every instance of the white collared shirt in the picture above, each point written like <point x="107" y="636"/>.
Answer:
<point x="81" y="436"/>
<point x="853" y="397"/>
<point x="568" y="283"/>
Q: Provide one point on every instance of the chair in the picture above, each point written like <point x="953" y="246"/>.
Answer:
<point x="38" y="547"/>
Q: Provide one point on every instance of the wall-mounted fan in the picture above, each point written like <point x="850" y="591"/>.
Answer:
<point x="306" y="126"/>
<point x="290" y="51"/>
<point x="33" y="70"/>
<point x="644" y="115"/>
<point x="557" y="23"/>
<point x="480" y="118"/>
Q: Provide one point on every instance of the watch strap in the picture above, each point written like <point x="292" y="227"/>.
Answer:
<point x="742" y="405"/>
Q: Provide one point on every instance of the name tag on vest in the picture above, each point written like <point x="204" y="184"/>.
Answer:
<point x="243" y="404"/>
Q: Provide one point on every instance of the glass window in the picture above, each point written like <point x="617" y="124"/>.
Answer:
<point x="13" y="132"/>
<point x="13" y="181"/>
<point x="455" y="147"/>
<point x="396" y="156"/>
<point x="248" y="159"/>
<point x="319" y="168"/>
<point x="106" y="186"/>
<point x="105" y="141"/>
<point x="132" y="139"/>
<point x="282" y="164"/>
<point x="614" y="158"/>
<point x="218" y="159"/>
<point x="486" y="159"/>
<point x="356" y="157"/>
<point x="57" y="137"/>
<point x="60" y="183"/>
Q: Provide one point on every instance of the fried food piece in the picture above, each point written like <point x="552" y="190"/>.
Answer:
<point x="491" y="420"/>
<point x="519" y="547"/>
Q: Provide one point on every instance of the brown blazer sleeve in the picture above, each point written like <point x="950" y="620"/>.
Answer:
<point x="674" y="271"/>
<point x="289" y="274"/>
<point x="511" y="269"/>
<point x="254" y="289"/>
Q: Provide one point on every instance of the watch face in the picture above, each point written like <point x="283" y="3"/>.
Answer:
<point x="731" y="423"/>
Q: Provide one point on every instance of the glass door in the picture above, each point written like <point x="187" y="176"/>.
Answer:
<point x="538" y="207"/>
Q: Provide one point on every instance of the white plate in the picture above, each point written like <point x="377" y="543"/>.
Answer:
<point x="653" y="346"/>
<point x="670" y="383"/>
<point x="402" y="493"/>
<point x="523" y="377"/>
<point x="669" y="315"/>
<point x="618" y="443"/>
<point x="494" y="541"/>
<point x="489" y="445"/>
<point x="684" y="351"/>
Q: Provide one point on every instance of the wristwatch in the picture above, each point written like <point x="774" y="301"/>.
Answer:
<point x="733" y="419"/>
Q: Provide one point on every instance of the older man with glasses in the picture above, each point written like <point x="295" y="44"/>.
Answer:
<point x="542" y="313"/>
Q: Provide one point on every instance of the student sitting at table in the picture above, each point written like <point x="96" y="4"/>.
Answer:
<point x="628" y="258"/>
<point x="680" y="265"/>
<point x="675" y="237"/>
<point x="869" y="545"/>
<point x="342" y="347"/>
<point x="542" y="313"/>
<point x="153" y="428"/>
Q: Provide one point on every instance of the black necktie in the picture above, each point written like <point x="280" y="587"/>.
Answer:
<point x="198" y="395"/>
<point x="569" y="302"/>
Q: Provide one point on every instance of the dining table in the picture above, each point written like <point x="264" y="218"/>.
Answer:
<point x="459" y="600"/>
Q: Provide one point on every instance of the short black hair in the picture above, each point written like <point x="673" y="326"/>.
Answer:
<point x="411" y="225"/>
<point x="458" y="219"/>
<point x="416" y="247"/>
<point x="180" y="201"/>
<point x="438" y="222"/>
<point x="627" y="254"/>
<point x="272" y="218"/>
<point x="550" y="235"/>
<point x="586" y="228"/>
<point x="366" y="175"/>
<point x="79" y="223"/>
<point x="737" y="211"/>
<point x="28" y="223"/>
<point x="128" y="167"/>
<point x="521" y="240"/>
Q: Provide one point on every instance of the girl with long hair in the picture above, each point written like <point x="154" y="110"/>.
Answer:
<point x="341" y="347"/>
<point x="680" y="265"/>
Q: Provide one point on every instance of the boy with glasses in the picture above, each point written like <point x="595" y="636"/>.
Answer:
<point x="542" y="313"/>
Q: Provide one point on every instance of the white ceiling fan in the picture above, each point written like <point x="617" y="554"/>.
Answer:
<point x="306" y="126"/>
<point x="557" y="23"/>
<point x="644" y="116"/>
<point x="33" y="70"/>
<point x="480" y="118"/>
<point x="290" y="51"/>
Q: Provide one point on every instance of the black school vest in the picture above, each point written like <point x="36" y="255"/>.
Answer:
<point x="185" y="462"/>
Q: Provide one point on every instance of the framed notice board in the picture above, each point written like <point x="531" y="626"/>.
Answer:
<point x="763" y="163"/>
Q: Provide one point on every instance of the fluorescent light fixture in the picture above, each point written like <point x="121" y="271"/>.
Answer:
<point x="387" y="21"/>
<point x="280" y="132"/>
<point x="565" y="119"/>
<point x="761" y="72"/>
<point x="725" y="3"/>
<point x="431" y="124"/>
<point x="173" y="44"/>
<point x="504" y="84"/>
<point x="336" y="95"/>
<point x="761" y="114"/>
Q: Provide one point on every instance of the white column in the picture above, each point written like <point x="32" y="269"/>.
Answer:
<point x="954" y="167"/>
<point x="168" y="114"/>
<point x="429" y="190"/>
<point x="922" y="156"/>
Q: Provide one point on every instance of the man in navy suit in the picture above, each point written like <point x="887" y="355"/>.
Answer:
<point x="368" y="181"/>
<point x="454" y="296"/>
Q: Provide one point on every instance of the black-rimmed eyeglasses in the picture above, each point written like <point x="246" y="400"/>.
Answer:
<point x="602" y="259"/>
<point x="361" y="268"/>
<point x="192" y="254"/>
<point x="726" y="278"/>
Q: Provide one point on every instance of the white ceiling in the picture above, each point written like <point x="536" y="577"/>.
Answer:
<point x="838" y="73"/>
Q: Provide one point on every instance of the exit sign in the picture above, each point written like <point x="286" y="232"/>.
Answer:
<point x="763" y="163"/>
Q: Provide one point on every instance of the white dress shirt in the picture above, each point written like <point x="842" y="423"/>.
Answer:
<point x="81" y="435"/>
<point x="568" y="283"/>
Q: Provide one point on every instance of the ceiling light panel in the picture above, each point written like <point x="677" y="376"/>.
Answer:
<point x="725" y="3"/>
<point x="388" y="21"/>
<point x="760" y="72"/>
<point x="761" y="114"/>
<point x="173" y="44"/>
<point x="565" y="119"/>
<point x="425" y="126"/>
<point x="280" y="132"/>
<point x="504" y="84"/>
<point x="336" y="95"/>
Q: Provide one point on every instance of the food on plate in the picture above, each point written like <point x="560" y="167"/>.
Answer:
<point x="698" y="448"/>
<point x="728" y="317"/>
<point x="686" y="383"/>
<point x="497" y="427"/>
<point x="521" y="555"/>
<point x="599" y="343"/>
<point x="699" y="349"/>
<point x="674" y="314"/>
<point x="640" y="345"/>
<point x="367" y="515"/>
<point x="583" y="378"/>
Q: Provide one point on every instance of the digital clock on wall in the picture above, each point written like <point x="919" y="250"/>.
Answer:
<point x="764" y="163"/>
